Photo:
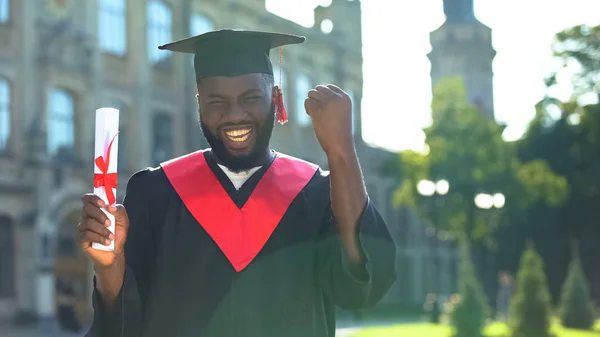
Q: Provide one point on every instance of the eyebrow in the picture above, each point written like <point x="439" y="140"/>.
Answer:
<point x="245" y="93"/>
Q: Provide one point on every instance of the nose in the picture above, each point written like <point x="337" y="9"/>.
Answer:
<point x="237" y="113"/>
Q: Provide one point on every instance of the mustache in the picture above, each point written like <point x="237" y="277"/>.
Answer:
<point x="232" y="125"/>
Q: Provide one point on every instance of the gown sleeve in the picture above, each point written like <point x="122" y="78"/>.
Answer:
<point x="357" y="286"/>
<point x="139" y="257"/>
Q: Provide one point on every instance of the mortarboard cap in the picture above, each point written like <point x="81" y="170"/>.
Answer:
<point x="230" y="52"/>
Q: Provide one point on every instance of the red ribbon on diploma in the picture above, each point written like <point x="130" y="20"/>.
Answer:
<point x="105" y="179"/>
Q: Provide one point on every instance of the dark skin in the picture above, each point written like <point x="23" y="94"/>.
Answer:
<point x="240" y="103"/>
<point x="244" y="102"/>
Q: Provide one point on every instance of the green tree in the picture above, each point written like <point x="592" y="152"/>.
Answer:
<point x="580" y="46"/>
<point x="576" y="306"/>
<point x="566" y="136"/>
<point x="469" y="314"/>
<point x="530" y="308"/>
<point x="467" y="149"/>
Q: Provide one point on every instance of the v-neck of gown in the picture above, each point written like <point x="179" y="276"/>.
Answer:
<point x="239" y="197"/>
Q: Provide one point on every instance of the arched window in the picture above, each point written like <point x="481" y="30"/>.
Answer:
<point x="4" y="11"/>
<point x="4" y="114"/>
<point x="112" y="27"/>
<point x="355" y="109"/>
<point x="159" y="21"/>
<point x="7" y="262"/>
<point x="200" y="24"/>
<point x="66" y="245"/>
<point x="162" y="136"/>
<point x="302" y="88"/>
<point x="61" y="131"/>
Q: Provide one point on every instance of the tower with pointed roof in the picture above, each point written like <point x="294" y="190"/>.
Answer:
<point x="462" y="47"/>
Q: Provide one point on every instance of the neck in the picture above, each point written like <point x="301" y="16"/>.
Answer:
<point x="263" y="159"/>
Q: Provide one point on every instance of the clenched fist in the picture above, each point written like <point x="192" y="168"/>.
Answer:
<point x="93" y="228"/>
<point x="330" y="109"/>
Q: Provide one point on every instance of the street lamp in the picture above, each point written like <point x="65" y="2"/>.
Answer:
<point x="488" y="202"/>
<point x="435" y="189"/>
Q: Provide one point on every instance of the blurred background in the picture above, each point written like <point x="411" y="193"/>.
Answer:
<point x="477" y="124"/>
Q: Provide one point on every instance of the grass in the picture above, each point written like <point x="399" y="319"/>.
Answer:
<point x="437" y="330"/>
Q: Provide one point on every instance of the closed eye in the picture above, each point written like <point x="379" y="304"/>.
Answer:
<point x="216" y="101"/>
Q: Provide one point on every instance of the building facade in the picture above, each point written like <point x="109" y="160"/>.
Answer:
<point x="62" y="59"/>
<point x="462" y="47"/>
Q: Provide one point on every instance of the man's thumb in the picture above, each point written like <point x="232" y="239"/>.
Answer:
<point x="119" y="212"/>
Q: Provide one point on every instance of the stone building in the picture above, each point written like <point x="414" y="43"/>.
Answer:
<point x="62" y="59"/>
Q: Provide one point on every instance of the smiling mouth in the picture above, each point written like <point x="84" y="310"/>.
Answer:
<point x="238" y="135"/>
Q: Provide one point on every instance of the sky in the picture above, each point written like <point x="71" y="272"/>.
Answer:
<point x="397" y="85"/>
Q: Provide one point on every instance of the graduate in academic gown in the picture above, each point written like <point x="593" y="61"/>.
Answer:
<point x="240" y="240"/>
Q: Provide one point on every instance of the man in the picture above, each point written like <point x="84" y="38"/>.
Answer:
<point x="240" y="240"/>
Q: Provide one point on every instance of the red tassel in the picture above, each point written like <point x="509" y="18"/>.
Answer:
<point x="280" y="112"/>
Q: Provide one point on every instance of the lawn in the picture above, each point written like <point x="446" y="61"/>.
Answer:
<point x="433" y="330"/>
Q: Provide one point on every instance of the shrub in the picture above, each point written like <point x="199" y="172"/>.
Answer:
<point x="530" y="308"/>
<point x="576" y="306"/>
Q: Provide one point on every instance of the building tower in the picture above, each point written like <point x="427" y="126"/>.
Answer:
<point x="462" y="46"/>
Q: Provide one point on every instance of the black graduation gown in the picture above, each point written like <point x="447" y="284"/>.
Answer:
<point x="179" y="283"/>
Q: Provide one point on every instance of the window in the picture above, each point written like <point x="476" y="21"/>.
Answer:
<point x="123" y="136"/>
<point x="302" y="88"/>
<point x="7" y="265"/>
<point x="4" y="11"/>
<point x="60" y="122"/>
<point x="355" y="108"/>
<point x="159" y="30"/>
<point x="4" y="114"/>
<point x="162" y="134"/>
<point x="112" y="30"/>
<point x="200" y="24"/>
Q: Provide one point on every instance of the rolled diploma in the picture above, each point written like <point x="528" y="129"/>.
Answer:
<point x="107" y="126"/>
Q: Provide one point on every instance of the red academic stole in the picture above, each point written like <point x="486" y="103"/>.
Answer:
<point x="239" y="233"/>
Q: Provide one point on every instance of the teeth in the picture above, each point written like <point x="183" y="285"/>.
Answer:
<point x="238" y="132"/>
<point x="240" y="139"/>
<point x="239" y="135"/>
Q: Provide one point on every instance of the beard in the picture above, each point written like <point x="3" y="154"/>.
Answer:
<point x="237" y="163"/>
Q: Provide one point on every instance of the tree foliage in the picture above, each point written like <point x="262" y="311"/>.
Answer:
<point x="579" y="47"/>
<point x="467" y="149"/>
<point x="468" y="315"/>
<point x="530" y="308"/>
<point x="566" y="135"/>
<point x="576" y="306"/>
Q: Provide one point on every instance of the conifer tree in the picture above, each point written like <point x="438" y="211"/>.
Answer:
<point x="469" y="314"/>
<point x="530" y="307"/>
<point x="576" y="306"/>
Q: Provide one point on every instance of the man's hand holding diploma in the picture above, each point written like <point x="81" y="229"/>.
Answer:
<point x="109" y="266"/>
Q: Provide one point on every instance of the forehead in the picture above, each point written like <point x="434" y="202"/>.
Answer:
<point x="232" y="85"/>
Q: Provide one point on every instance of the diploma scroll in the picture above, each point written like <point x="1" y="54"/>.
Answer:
<point x="105" y="163"/>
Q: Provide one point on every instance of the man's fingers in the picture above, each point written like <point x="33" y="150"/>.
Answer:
<point x="92" y="225"/>
<point x="120" y="214"/>
<point x="325" y="90"/>
<point x="93" y="199"/>
<point x="336" y="89"/>
<point x="92" y="211"/>
<point x="317" y="95"/>
<point x="92" y="237"/>
<point x="310" y="105"/>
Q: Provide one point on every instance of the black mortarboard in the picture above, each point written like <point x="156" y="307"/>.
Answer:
<point x="230" y="52"/>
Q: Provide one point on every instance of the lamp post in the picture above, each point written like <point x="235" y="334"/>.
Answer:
<point x="435" y="190"/>
<point x="487" y="202"/>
